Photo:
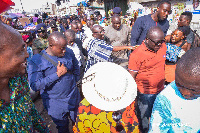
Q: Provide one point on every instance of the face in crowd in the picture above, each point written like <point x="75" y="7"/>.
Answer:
<point x="98" y="32"/>
<point x="90" y="23"/>
<point x="163" y="11"/>
<point x="177" y="36"/>
<point x="57" y="44"/>
<point x="99" y="17"/>
<point x="74" y="27"/>
<point x="42" y="33"/>
<point x="79" y="24"/>
<point x="155" y="38"/>
<point x="116" y="22"/>
<point x="65" y="23"/>
<point x="183" y="21"/>
<point x="13" y="52"/>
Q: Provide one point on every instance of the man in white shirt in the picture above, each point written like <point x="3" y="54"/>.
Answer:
<point x="177" y="107"/>
<point x="88" y="32"/>
<point x="70" y="36"/>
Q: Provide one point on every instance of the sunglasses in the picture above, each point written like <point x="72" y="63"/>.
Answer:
<point x="157" y="43"/>
<point x="117" y="116"/>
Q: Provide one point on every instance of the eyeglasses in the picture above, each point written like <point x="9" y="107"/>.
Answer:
<point x="157" y="43"/>
<point x="103" y="31"/>
<point x="193" y="94"/>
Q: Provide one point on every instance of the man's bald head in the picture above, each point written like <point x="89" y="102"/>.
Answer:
<point x="55" y="37"/>
<point x="69" y="33"/>
<point x="79" y="24"/>
<point x="188" y="67"/>
<point x="74" y="27"/>
<point x="154" y="38"/>
<point x="98" y="32"/>
<point x="91" y="24"/>
<point x="57" y="44"/>
<point x="13" y="52"/>
<point x="154" y="32"/>
<point x="187" y="74"/>
<point x="96" y="28"/>
<point x="70" y="36"/>
<point x="74" y="24"/>
<point x="116" y="21"/>
<point x="8" y="36"/>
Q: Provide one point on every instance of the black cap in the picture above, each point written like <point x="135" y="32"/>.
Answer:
<point x="40" y="27"/>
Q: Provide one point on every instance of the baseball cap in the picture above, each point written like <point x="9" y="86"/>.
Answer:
<point x="40" y="27"/>
<point x="117" y="10"/>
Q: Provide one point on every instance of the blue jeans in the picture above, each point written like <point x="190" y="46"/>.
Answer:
<point x="144" y="108"/>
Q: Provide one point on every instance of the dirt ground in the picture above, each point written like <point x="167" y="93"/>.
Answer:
<point x="39" y="106"/>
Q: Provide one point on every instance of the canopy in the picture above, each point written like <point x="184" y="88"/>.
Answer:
<point x="5" y="5"/>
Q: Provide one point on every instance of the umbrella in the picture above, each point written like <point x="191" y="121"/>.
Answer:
<point x="19" y="14"/>
<point x="30" y="15"/>
<point x="5" y="5"/>
<point x="13" y="15"/>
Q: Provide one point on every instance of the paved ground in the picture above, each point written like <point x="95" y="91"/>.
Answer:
<point x="39" y="106"/>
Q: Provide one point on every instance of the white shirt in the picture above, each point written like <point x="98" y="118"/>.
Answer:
<point x="77" y="52"/>
<point x="88" y="33"/>
<point x="173" y="113"/>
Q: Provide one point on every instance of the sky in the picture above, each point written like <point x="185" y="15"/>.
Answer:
<point x="31" y="4"/>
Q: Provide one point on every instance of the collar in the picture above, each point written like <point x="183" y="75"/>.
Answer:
<point x="147" y="49"/>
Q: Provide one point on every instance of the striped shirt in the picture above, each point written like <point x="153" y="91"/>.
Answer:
<point x="98" y="51"/>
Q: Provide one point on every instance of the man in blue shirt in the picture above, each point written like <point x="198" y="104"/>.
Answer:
<point x="144" y="23"/>
<point x="54" y="73"/>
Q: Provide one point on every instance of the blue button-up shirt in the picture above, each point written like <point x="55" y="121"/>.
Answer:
<point x="60" y="95"/>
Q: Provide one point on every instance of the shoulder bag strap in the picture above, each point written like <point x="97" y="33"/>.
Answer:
<point x="49" y="59"/>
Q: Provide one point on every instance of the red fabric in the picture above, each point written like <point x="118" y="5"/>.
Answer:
<point x="170" y="73"/>
<point x="150" y="67"/>
<point x="5" y="5"/>
<point x="25" y="37"/>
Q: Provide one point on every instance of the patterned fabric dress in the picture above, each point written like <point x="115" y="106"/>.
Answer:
<point x="93" y="120"/>
<point x="20" y="114"/>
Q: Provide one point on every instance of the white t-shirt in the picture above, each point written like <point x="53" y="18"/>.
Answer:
<point x="173" y="113"/>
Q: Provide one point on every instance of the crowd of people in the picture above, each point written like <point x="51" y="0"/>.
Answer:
<point x="54" y="58"/>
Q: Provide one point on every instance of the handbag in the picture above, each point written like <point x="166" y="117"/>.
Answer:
<point x="173" y="52"/>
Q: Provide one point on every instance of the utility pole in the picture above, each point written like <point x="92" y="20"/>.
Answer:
<point x="22" y="5"/>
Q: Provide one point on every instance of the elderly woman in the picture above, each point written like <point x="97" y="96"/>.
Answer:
<point x="17" y="111"/>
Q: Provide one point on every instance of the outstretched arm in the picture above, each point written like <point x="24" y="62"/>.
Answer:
<point x="118" y="48"/>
